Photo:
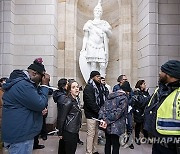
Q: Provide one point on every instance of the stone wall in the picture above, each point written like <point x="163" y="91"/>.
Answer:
<point x="128" y="40"/>
<point x="168" y="30"/>
<point x="158" y="37"/>
<point x="29" y="30"/>
<point x="7" y="16"/>
<point x="147" y="42"/>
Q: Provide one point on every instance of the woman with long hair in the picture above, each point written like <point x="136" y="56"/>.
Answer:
<point x="140" y="100"/>
<point x="70" y="119"/>
<point x="59" y="97"/>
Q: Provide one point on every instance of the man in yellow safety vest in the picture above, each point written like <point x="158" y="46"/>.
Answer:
<point x="162" y="115"/>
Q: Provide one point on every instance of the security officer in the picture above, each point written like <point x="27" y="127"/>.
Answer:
<point x="162" y="115"/>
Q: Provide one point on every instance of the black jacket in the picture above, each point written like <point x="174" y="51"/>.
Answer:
<point x="70" y="116"/>
<point x="151" y="111"/>
<point x="139" y="102"/>
<point x="91" y="108"/>
<point x="59" y="97"/>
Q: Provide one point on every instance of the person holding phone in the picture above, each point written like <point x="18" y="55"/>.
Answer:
<point x="23" y="103"/>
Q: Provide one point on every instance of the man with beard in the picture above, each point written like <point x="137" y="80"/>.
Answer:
<point x="162" y="115"/>
<point x="23" y="103"/>
<point x="93" y="98"/>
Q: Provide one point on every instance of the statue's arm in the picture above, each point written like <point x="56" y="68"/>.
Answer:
<point x="85" y="39"/>
<point x="107" y="34"/>
<point x="107" y="29"/>
<point x="106" y="47"/>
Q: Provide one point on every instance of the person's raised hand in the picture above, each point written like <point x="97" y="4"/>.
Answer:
<point x="45" y="79"/>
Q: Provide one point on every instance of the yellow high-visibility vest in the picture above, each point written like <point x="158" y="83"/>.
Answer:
<point x="168" y="114"/>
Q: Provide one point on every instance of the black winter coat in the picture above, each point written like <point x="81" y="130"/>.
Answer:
<point x="151" y="111"/>
<point x="140" y="101"/>
<point x="91" y="108"/>
<point x="59" y="98"/>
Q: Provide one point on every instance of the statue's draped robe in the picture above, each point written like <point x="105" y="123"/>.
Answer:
<point x="95" y="47"/>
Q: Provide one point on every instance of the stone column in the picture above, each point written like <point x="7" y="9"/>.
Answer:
<point x="148" y="42"/>
<point x="168" y="30"/>
<point x="127" y="40"/>
<point x="7" y="37"/>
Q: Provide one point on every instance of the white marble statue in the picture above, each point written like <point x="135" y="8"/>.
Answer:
<point x="94" y="53"/>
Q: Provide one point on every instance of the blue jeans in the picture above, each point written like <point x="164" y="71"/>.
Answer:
<point x="25" y="147"/>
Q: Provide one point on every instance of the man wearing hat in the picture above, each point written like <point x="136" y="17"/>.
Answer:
<point x="23" y="103"/>
<point x="162" y="115"/>
<point x="93" y="98"/>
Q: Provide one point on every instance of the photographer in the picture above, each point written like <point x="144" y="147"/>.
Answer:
<point x="23" y="103"/>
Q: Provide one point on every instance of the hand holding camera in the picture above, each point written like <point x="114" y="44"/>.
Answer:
<point x="45" y="79"/>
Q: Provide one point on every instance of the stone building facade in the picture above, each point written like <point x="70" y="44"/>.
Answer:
<point x="145" y="34"/>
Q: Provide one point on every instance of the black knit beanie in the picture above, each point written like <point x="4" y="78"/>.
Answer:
<point x="94" y="73"/>
<point x="37" y="66"/>
<point x="126" y="86"/>
<point x="172" y="68"/>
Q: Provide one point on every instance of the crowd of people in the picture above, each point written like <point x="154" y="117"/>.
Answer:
<point x="24" y="101"/>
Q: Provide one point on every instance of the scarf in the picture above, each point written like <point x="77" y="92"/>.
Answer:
<point x="97" y="93"/>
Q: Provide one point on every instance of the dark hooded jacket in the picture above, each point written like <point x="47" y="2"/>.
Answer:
<point x="140" y="101"/>
<point x="151" y="110"/>
<point x="59" y="97"/>
<point x="23" y="103"/>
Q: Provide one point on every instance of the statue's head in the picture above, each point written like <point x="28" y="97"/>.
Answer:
<point x="98" y="10"/>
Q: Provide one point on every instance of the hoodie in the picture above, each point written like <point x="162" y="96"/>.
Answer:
<point x="23" y="103"/>
<point x="59" y="97"/>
